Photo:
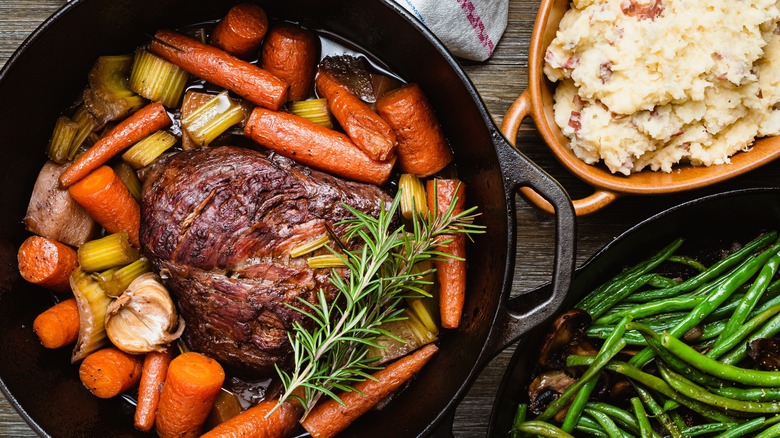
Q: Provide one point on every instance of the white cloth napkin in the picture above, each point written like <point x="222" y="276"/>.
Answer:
<point x="469" y="28"/>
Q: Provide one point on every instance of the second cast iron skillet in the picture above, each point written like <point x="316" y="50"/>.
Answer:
<point x="50" y="69"/>
<point x="708" y="224"/>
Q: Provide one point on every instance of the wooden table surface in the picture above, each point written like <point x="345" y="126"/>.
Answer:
<point x="499" y="81"/>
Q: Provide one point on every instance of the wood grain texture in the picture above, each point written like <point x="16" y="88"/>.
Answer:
<point x="499" y="81"/>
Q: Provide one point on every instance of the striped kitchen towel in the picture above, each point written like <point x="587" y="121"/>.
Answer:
<point x="469" y="28"/>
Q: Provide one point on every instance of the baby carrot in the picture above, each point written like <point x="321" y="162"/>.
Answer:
<point x="58" y="326"/>
<point x="313" y="145"/>
<point x="256" y="423"/>
<point x="133" y="129"/>
<point x="109" y="372"/>
<point x="107" y="200"/>
<point x="450" y="272"/>
<point x="330" y="417"/>
<point x="241" y="30"/>
<point x="191" y="386"/>
<point x="153" y="374"/>
<point x="220" y="68"/>
<point x="47" y="263"/>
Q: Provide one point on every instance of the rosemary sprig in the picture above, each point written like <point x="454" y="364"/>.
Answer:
<point x="333" y="355"/>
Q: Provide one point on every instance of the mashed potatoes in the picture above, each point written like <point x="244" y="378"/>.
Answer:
<point x="651" y="83"/>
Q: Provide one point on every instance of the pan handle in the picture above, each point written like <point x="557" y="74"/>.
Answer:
<point x="521" y="109"/>
<point x="518" y="171"/>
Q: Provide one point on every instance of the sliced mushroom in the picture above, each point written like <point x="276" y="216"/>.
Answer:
<point x="143" y="318"/>
<point x="766" y="353"/>
<point x="567" y="337"/>
<point x="546" y="388"/>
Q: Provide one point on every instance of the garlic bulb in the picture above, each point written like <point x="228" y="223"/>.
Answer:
<point x="144" y="317"/>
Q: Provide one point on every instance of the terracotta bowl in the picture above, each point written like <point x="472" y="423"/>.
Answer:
<point x="537" y="102"/>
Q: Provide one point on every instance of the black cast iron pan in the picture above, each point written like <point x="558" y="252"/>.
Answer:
<point x="708" y="224"/>
<point x="50" y="69"/>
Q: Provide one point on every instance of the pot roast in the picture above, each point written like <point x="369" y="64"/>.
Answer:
<point x="219" y="224"/>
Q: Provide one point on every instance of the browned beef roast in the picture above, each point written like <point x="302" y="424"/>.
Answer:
<point x="219" y="224"/>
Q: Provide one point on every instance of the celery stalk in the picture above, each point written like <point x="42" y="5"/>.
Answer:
<point x="413" y="197"/>
<point x="310" y="246"/>
<point x="107" y="252"/>
<point x="108" y="96"/>
<point x="157" y="79"/>
<point x="115" y="280"/>
<point x="212" y="119"/>
<point x="130" y="179"/>
<point x="86" y="124"/>
<point x="325" y="261"/>
<point x="147" y="150"/>
<point x="61" y="139"/>
<point x="315" y="110"/>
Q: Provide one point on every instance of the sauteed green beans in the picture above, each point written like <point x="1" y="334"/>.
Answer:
<point x="693" y="377"/>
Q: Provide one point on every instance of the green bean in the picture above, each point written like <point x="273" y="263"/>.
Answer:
<point x="749" y="394"/>
<point x="611" y="347"/>
<point x="656" y="410"/>
<point x="660" y="386"/>
<point x="617" y="414"/>
<point x="660" y="281"/>
<point x="712" y="301"/>
<point x="684" y="302"/>
<point x="606" y="423"/>
<point x="751" y="298"/>
<point x="726" y="309"/>
<point x="772" y="432"/>
<point x="578" y="404"/>
<point x="744" y="428"/>
<point x="543" y="429"/>
<point x="617" y="294"/>
<point x="677" y="364"/>
<point x="691" y="390"/>
<point x="522" y="411"/>
<point x="678" y="420"/>
<point x="687" y="261"/>
<point x="703" y="429"/>
<point x="713" y="272"/>
<point x="715" y="368"/>
<point x="742" y="332"/>
<point x="645" y="429"/>
<point x="640" y="268"/>
<point x="768" y="330"/>
<point x="591" y="431"/>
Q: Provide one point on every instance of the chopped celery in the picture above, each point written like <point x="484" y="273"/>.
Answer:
<point x="61" y="139"/>
<point x="115" y="280"/>
<point x="157" y="79"/>
<point x="92" y="303"/>
<point x="425" y="309"/>
<point x="413" y="198"/>
<point x="87" y="125"/>
<point x="315" y="110"/>
<point x="325" y="261"/>
<point x="108" y="96"/>
<point x="130" y="179"/>
<point x="310" y="246"/>
<point x="212" y="119"/>
<point x="107" y="252"/>
<point x="147" y="150"/>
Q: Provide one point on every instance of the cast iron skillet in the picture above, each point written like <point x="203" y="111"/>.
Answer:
<point x="708" y="224"/>
<point x="50" y="69"/>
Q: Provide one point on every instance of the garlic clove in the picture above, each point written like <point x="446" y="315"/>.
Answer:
<point x="144" y="317"/>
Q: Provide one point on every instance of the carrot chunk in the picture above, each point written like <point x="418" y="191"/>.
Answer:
<point x="109" y="372"/>
<point x="58" y="326"/>
<point x="131" y="130"/>
<point x="107" y="200"/>
<point x="191" y="386"/>
<point x="450" y="273"/>
<point x="155" y="368"/>
<point x="241" y="30"/>
<point x="330" y="418"/>
<point x="255" y="422"/>
<point x="47" y="263"/>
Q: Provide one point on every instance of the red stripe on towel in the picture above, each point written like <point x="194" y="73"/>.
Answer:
<point x="477" y="25"/>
